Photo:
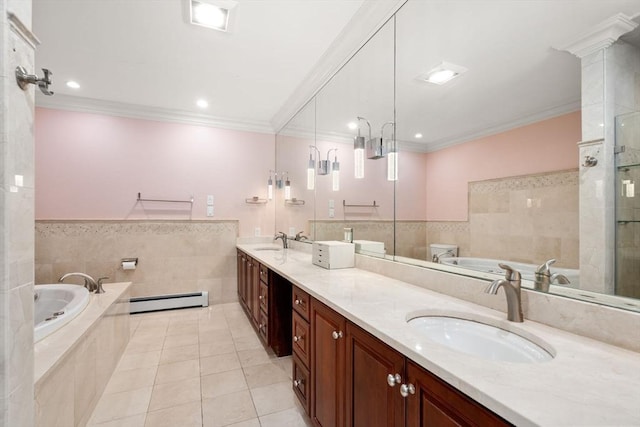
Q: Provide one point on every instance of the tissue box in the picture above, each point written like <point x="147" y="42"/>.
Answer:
<point x="333" y="254"/>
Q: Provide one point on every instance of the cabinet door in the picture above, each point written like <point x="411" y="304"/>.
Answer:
<point x="374" y="375"/>
<point x="328" y="365"/>
<point x="301" y="344"/>
<point x="242" y="278"/>
<point x="435" y="403"/>
<point x="253" y="280"/>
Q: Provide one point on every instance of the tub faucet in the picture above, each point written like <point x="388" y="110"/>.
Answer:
<point x="511" y="285"/>
<point x="89" y="282"/>
<point x="544" y="278"/>
<point x="437" y="257"/>
<point x="300" y="237"/>
<point x="284" y="238"/>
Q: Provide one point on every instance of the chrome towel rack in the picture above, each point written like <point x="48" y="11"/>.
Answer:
<point x="140" y="199"/>
<point x="255" y="200"/>
<point x="374" y="205"/>
<point x="294" y="202"/>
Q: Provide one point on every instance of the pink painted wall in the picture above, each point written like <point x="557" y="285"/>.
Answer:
<point x="545" y="146"/>
<point x="91" y="166"/>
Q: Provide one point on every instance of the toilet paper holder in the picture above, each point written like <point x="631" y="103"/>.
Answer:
<point x="126" y="263"/>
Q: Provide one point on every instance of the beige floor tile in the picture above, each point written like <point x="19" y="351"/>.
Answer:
<point x="186" y="415"/>
<point x="265" y="374"/>
<point x="134" y="421"/>
<point x="219" y="363"/>
<point x="291" y="418"/>
<point x="178" y="371"/>
<point x="286" y="364"/>
<point x="253" y="357"/>
<point x="174" y="393"/>
<point x="273" y="398"/>
<point x="181" y="340"/>
<point x="121" y="405"/>
<point x="126" y="380"/>
<point x="247" y="342"/>
<point x="144" y="348"/>
<point x="213" y="335"/>
<point x="138" y="360"/>
<point x="254" y="422"/>
<point x="218" y="347"/>
<point x="228" y="409"/>
<point x="150" y="331"/>
<point x="182" y="330"/>
<point x="223" y="383"/>
<point x="241" y="330"/>
<point x="178" y="354"/>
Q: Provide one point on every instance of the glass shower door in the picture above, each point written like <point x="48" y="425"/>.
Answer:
<point x="627" y="173"/>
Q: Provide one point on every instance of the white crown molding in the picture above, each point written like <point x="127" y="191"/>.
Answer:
<point x="19" y="28"/>
<point x="365" y="23"/>
<point x="427" y="147"/>
<point x="119" y="109"/>
<point x="601" y="36"/>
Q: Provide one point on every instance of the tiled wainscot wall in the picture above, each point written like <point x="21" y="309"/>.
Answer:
<point x="173" y="256"/>
<point x="529" y="218"/>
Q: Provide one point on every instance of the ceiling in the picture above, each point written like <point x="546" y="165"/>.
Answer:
<point x="140" y="55"/>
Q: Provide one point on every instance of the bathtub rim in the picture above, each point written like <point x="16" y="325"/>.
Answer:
<point x="79" y="302"/>
<point x="51" y="351"/>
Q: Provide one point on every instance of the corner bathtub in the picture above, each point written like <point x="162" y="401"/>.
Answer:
<point x="491" y="266"/>
<point x="55" y="306"/>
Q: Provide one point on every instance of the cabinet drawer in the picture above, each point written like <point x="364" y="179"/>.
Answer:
<point x="301" y="386"/>
<point x="301" y="339"/>
<point x="300" y="302"/>
<point x="264" y="274"/>
<point x="263" y="327"/>
<point x="263" y="297"/>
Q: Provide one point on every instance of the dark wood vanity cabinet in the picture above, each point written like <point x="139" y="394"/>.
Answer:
<point x="357" y="380"/>
<point x="266" y="298"/>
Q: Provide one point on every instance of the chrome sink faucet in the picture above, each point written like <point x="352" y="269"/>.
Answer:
<point x="90" y="283"/>
<point x="544" y="278"/>
<point x="511" y="285"/>
<point x="300" y="236"/>
<point x="283" y="237"/>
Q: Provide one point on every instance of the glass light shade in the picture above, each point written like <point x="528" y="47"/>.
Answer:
<point x="311" y="174"/>
<point x="270" y="189"/>
<point x="358" y="156"/>
<point x="287" y="190"/>
<point x="335" y="176"/>
<point x="392" y="166"/>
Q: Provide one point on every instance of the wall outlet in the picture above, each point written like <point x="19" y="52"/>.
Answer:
<point x="210" y="200"/>
<point x="292" y="231"/>
<point x="209" y="210"/>
<point x="332" y="212"/>
<point x="332" y="203"/>
<point x="256" y="232"/>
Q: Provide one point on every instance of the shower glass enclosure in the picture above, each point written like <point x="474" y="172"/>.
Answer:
<point x="628" y="205"/>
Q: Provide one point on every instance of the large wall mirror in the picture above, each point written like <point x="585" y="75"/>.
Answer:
<point x="480" y="169"/>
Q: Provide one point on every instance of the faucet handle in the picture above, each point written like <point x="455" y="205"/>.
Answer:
<point x="510" y="273"/>
<point x="545" y="268"/>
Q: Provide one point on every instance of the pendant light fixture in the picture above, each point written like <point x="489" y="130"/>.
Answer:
<point x="358" y="150"/>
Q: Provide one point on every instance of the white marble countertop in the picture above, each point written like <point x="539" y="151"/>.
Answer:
<point x="49" y="351"/>
<point x="587" y="382"/>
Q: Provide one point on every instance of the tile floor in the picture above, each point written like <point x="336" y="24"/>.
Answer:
<point x="198" y="367"/>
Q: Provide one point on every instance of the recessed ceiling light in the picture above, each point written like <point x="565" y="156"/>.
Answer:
<point x="442" y="73"/>
<point x="73" y="85"/>
<point x="202" y="103"/>
<point x="211" y="14"/>
<point x="418" y="135"/>
<point x="352" y="125"/>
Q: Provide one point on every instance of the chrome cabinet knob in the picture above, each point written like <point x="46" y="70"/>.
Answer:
<point x="336" y="334"/>
<point x="261" y="297"/>
<point x="297" y="383"/>
<point x="297" y="302"/>
<point x="407" y="389"/>
<point x="296" y="338"/>
<point x="392" y="380"/>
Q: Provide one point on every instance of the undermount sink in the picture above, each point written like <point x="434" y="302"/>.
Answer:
<point x="269" y="248"/>
<point x="479" y="339"/>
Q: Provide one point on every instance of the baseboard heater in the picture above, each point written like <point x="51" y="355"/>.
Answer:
<point x="169" y="302"/>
